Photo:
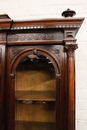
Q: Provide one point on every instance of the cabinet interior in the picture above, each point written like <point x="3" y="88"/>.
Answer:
<point x="35" y="94"/>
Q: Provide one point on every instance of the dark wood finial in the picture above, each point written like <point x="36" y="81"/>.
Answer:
<point x="68" y="13"/>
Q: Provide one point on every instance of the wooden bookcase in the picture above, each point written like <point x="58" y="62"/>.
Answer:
<point x="37" y="73"/>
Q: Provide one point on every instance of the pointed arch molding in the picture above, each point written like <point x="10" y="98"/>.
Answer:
<point x="36" y="51"/>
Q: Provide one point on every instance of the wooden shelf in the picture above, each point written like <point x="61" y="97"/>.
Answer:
<point x="35" y="95"/>
<point x="25" y="125"/>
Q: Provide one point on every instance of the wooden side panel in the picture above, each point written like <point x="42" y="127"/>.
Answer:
<point x="2" y="72"/>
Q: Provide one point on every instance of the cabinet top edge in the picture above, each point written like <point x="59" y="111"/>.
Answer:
<point x="50" y="21"/>
<point x="7" y="23"/>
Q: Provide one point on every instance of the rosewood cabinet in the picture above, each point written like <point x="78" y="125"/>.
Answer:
<point x="37" y="73"/>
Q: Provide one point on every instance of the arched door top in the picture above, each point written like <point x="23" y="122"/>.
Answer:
<point x="36" y="51"/>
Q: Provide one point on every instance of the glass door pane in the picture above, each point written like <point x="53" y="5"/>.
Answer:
<point x="35" y="94"/>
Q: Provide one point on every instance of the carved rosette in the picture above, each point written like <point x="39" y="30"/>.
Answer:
<point x="15" y="52"/>
<point x="2" y="37"/>
<point x="57" y="52"/>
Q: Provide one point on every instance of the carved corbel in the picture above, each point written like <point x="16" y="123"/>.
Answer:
<point x="69" y="34"/>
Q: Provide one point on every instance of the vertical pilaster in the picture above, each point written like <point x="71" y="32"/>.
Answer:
<point x="70" y="48"/>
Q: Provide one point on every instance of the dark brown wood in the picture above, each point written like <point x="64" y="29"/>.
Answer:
<point x="2" y="83"/>
<point x="71" y="86"/>
<point x="52" y="42"/>
<point x="68" y="13"/>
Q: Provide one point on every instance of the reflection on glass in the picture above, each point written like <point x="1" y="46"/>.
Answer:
<point x="35" y="94"/>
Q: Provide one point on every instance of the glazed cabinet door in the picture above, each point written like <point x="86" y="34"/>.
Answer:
<point x="2" y="76"/>
<point x="35" y="94"/>
<point x="34" y="89"/>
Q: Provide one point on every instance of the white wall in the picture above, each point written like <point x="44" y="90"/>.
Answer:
<point x="35" y="9"/>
